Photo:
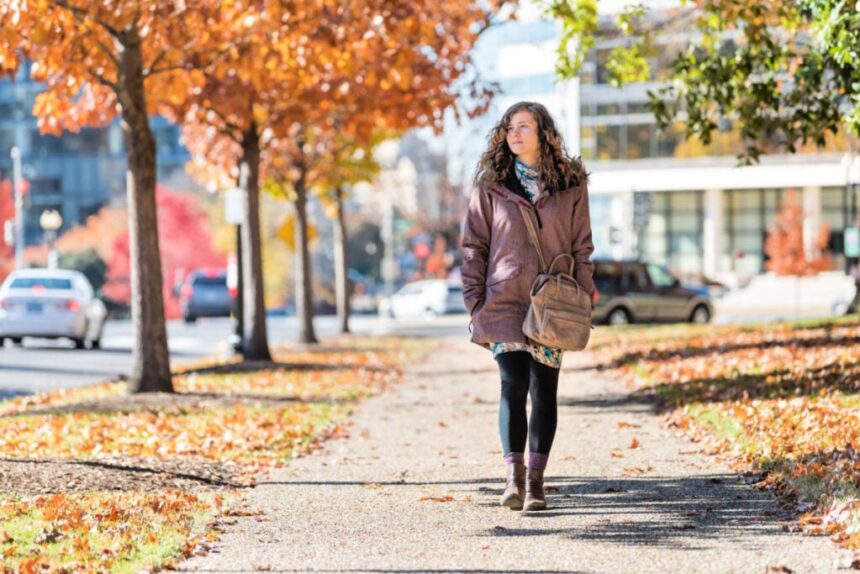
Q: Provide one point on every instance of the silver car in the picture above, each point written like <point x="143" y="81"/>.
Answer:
<point x="50" y="303"/>
<point x="425" y="298"/>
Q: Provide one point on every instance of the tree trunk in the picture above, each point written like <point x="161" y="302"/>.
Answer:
<point x="304" y="293"/>
<point x="341" y="264"/>
<point x="150" y="359"/>
<point x="255" y="341"/>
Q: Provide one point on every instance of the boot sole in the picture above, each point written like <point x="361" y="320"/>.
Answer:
<point x="514" y="503"/>
<point x="535" y="506"/>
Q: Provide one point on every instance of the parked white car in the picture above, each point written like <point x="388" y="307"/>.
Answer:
<point x="50" y="303"/>
<point x="430" y="297"/>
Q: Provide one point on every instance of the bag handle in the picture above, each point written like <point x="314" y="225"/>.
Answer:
<point x="562" y="256"/>
<point x="534" y="238"/>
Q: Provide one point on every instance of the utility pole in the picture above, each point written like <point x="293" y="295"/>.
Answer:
<point x="17" y="190"/>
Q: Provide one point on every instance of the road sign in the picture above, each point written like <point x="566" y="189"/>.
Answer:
<point x="852" y="242"/>
<point x="234" y="206"/>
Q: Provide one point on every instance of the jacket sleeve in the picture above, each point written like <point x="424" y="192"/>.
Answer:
<point x="476" y="247"/>
<point x="582" y="246"/>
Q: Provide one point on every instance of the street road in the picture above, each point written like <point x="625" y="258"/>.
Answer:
<point x="42" y="364"/>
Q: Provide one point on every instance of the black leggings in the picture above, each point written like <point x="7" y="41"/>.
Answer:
<point x="521" y="376"/>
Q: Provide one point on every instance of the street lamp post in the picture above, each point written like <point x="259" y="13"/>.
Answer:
<point x="19" y="207"/>
<point x="51" y="221"/>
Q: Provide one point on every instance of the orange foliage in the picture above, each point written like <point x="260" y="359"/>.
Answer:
<point x="186" y="244"/>
<point x="785" y="246"/>
<point x="98" y="232"/>
<point x="74" y="44"/>
<point x="351" y="70"/>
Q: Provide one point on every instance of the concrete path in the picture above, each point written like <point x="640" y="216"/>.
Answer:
<point x="414" y="488"/>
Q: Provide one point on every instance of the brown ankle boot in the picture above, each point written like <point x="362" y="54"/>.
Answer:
<point x="535" y="497"/>
<point x="515" y="487"/>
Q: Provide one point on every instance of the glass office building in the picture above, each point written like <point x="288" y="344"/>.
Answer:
<point x="75" y="173"/>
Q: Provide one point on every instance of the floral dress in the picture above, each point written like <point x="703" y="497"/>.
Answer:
<point x="545" y="355"/>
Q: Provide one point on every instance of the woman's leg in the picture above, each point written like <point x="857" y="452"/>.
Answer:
<point x="514" y="369"/>
<point x="543" y="388"/>
<point x="513" y="425"/>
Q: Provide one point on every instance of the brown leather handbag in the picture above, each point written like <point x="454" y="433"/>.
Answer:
<point x="559" y="314"/>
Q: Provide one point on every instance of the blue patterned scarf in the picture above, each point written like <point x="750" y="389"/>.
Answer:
<point x="528" y="177"/>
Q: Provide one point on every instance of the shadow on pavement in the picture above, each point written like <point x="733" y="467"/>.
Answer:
<point x="651" y="511"/>
<point x="676" y="512"/>
<point x="605" y="403"/>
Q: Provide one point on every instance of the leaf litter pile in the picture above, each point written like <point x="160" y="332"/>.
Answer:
<point x="95" y="479"/>
<point x="780" y="402"/>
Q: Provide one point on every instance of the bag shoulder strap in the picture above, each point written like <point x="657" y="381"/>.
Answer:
<point x="534" y="237"/>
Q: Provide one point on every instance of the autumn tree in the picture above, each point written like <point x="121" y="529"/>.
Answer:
<point x="349" y="163"/>
<point x="99" y="60"/>
<point x="785" y="72"/>
<point x="786" y="246"/>
<point x="332" y="162"/>
<point x="350" y="68"/>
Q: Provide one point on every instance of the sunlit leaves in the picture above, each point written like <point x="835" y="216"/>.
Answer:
<point x="784" y="72"/>
<point x="100" y="531"/>
<point x="242" y="422"/>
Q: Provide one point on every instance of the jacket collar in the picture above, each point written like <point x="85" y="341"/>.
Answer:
<point x="512" y="190"/>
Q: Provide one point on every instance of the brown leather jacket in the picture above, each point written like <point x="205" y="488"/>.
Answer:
<point x="499" y="261"/>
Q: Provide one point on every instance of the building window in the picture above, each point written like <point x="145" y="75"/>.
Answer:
<point x="748" y="214"/>
<point x="639" y="141"/>
<point x="609" y="142"/>
<point x="674" y="231"/>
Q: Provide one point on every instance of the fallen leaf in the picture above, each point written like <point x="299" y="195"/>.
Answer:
<point x="436" y="499"/>
<point x="634" y="443"/>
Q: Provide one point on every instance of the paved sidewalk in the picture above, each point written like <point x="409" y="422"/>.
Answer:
<point x="414" y="488"/>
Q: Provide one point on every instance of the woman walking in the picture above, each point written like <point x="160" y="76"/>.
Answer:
<point x="525" y="164"/>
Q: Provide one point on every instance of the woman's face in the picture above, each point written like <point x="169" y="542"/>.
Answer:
<point x="522" y="137"/>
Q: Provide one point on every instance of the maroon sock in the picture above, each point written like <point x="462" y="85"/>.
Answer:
<point x="538" y="461"/>
<point x="515" y="458"/>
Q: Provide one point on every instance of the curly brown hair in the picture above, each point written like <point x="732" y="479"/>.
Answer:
<point x="558" y="171"/>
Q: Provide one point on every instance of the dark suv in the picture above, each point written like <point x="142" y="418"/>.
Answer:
<point x="640" y="292"/>
<point x="205" y="294"/>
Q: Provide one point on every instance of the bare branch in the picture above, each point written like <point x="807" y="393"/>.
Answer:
<point x="151" y="68"/>
<point x="230" y="129"/>
<point x="108" y="53"/>
<point x="152" y="72"/>
<point x="102" y="80"/>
